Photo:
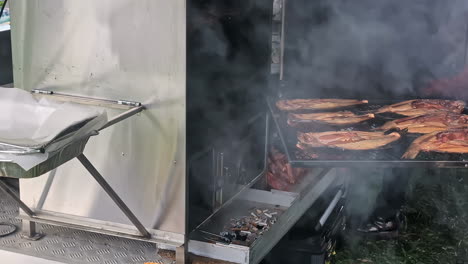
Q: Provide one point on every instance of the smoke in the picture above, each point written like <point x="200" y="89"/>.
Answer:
<point x="372" y="48"/>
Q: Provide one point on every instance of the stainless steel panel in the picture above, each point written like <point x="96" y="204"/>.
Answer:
<point x="113" y="49"/>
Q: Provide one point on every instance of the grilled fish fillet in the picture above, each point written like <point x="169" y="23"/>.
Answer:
<point x="335" y="118"/>
<point x="450" y="141"/>
<point x="351" y="140"/>
<point x="423" y="106"/>
<point x="316" y="104"/>
<point x="429" y="123"/>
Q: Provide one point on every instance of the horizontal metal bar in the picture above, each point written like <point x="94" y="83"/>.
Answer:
<point x="123" y="116"/>
<point x="166" y="240"/>
<point x="118" y="104"/>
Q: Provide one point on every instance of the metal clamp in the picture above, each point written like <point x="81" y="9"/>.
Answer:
<point x="38" y="91"/>
<point x="119" y="104"/>
<point x="129" y="103"/>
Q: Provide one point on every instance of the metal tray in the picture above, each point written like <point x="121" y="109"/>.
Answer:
<point x="390" y="156"/>
<point x="292" y="204"/>
<point x="56" y="159"/>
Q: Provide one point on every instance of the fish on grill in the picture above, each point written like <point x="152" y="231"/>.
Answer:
<point x="423" y="106"/>
<point x="349" y="140"/>
<point x="450" y="141"/>
<point x="429" y="123"/>
<point x="332" y="118"/>
<point x="316" y="104"/>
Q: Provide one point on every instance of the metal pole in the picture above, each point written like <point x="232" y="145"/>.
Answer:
<point x="3" y="8"/>
<point x="123" y="116"/>
<point x="113" y="195"/>
<point x="15" y="197"/>
<point x="282" y="40"/>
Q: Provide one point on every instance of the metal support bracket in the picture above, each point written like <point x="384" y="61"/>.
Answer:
<point x="132" y="108"/>
<point x="113" y="195"/>
<point x="29" y="228"/>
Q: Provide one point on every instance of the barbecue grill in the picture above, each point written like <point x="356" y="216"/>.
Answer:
<point x="193" y="164"/>
<point x="389" y="156"/>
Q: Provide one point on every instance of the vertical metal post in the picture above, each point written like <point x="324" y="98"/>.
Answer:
<point x="282" y="40"/>
<point x="29" y="231"/>
<point x="113" y="195"/>
<point x="29" y="228"/>
<point x="180" y="255"/>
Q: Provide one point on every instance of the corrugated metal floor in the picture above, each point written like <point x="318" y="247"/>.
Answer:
<point x="75" y="246"/>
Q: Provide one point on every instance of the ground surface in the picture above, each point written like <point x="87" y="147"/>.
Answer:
<point x="437" y="212"/>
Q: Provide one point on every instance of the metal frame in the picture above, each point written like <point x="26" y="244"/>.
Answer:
<point x="329" y="163"/>
<point x="32" y="217"/>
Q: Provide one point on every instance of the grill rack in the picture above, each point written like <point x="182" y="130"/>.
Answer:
<point x="390" y="156"/>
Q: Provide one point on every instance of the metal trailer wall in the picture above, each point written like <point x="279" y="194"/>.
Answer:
<point x="113" y="49"/>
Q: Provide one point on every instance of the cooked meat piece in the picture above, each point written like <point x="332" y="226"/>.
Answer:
<point x="429" y="123"/>
<point x="277" y="183"/>
<point x="281" y="170"/>
<point x="351" y="140"/>
<point x="423" y="106"/>
<point x="451" y="141"/>
<point x="316" y="104"/>
<point x="334" y="118"/>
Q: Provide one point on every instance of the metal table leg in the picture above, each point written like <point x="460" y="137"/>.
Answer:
<point x="29" y="227"/>
<point x="15" y="197"/>
<point x="180" y="255"/>
<point x="113" y="195"/>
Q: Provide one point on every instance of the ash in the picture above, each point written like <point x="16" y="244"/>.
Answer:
<point x="246" y="229"/>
